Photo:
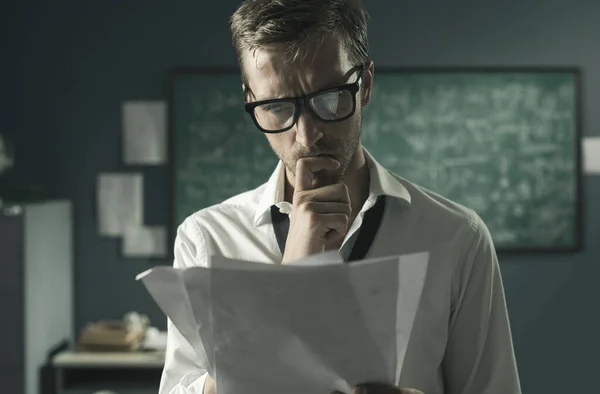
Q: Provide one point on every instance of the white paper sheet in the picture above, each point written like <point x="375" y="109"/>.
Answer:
<point x="320" y="259"/>
<point x="144" y="132"/>
<point x="591" y="155"/>
<point x="297" y="328"/>
<point x="144" y="241"/>
<point x="120" y="202"/>
<point x="167" y="286"/>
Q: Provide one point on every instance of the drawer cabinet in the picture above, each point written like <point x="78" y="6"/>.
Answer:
<point x="36" y="290"/>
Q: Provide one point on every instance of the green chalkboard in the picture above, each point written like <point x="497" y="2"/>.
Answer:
<point x="504" y="142"/>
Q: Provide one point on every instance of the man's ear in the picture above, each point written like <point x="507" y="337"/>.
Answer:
<point x="367" y="83"/>
<point x="248" y="95"/>
<point x="246" y="91"/>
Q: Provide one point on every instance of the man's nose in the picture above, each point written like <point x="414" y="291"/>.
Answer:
<point x="307" y="132"/>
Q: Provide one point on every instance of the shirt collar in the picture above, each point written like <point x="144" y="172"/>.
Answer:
<point x="382" y="183"/>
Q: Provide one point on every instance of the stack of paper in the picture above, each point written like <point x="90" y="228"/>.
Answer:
<point x="311" y="327"/>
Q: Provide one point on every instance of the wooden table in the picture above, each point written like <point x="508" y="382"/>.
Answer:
<point x="121" y="373"/>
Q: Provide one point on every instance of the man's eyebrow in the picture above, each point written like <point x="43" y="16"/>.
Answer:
<point x="248" y="90"/>
<point x="343" y="80"/>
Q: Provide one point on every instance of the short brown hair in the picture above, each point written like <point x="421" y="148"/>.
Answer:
<point x="299" y="25"/>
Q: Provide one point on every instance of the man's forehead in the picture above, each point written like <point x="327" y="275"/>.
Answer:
<point x="268" y="69"/>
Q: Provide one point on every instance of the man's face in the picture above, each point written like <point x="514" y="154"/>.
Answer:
<point x="270" y="76"/>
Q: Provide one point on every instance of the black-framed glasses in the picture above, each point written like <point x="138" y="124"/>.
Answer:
<point x="328" y="106"/>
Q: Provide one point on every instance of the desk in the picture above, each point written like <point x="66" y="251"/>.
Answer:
<point x="122" y="373"/>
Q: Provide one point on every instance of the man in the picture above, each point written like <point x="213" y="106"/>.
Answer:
<point x="306" y="78"/>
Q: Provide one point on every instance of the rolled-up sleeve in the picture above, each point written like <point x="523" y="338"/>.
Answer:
<point x="480" y="358"/>
<point x="182" y="373"/>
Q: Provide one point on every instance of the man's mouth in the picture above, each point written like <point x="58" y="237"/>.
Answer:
<point x="319" y="155"/>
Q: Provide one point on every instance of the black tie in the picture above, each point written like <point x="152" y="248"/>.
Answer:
<point x="366" y="233"/>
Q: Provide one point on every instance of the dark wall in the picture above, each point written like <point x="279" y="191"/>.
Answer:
<point x="66" y="67"/>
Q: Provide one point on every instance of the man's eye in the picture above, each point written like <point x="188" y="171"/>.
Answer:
<point x="328" y="97"/>
<point x="273" y="108"/>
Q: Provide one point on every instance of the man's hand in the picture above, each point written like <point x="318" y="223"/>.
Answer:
<point x="367" y="388"/>
<point x="209" y="386"/>
<point x="320" y="215"/>
<point x="378" y="388"/>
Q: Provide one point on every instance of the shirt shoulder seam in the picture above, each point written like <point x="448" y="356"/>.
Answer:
<point x="199" y="234"/>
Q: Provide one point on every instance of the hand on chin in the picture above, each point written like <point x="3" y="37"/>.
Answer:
<point x="380" y="388"/>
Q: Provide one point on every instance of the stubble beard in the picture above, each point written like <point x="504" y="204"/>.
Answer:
<point x="343" y="154"/>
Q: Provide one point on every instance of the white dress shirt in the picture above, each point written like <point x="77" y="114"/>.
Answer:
<point x="461" y="342"/>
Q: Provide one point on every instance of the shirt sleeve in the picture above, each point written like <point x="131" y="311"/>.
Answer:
<point x="182" y="373"/>
<point x="480" y="357"/>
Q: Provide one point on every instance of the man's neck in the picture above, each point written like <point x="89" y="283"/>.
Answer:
<point x="358" y="182"/>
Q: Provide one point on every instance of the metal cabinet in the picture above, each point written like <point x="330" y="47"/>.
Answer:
<point x="36" y="290"/>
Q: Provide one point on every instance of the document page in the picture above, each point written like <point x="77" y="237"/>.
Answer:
<point x="301" y="328"/>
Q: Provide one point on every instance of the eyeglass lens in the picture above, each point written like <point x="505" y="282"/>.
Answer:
<point x="327" y="106"/>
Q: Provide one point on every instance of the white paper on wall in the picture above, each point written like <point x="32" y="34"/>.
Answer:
<point x="145" y="241"/>
<point x="144" y="132"/>
<point x="591" y="155"/>
<point x="120" y="202"/>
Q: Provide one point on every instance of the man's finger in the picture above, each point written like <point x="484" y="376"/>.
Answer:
<point x="307" y="166"/>
<point x="380" y="388"/>
<point x="335" y="221"/>
<point x="337" y="192"/>
<point x="328" y="207"/>
<point x="376" y="388"/>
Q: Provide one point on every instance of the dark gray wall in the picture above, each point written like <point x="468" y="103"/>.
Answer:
<point x="66" y="66"/>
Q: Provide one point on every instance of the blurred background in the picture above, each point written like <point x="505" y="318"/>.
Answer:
<point x="67" y="67"/>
